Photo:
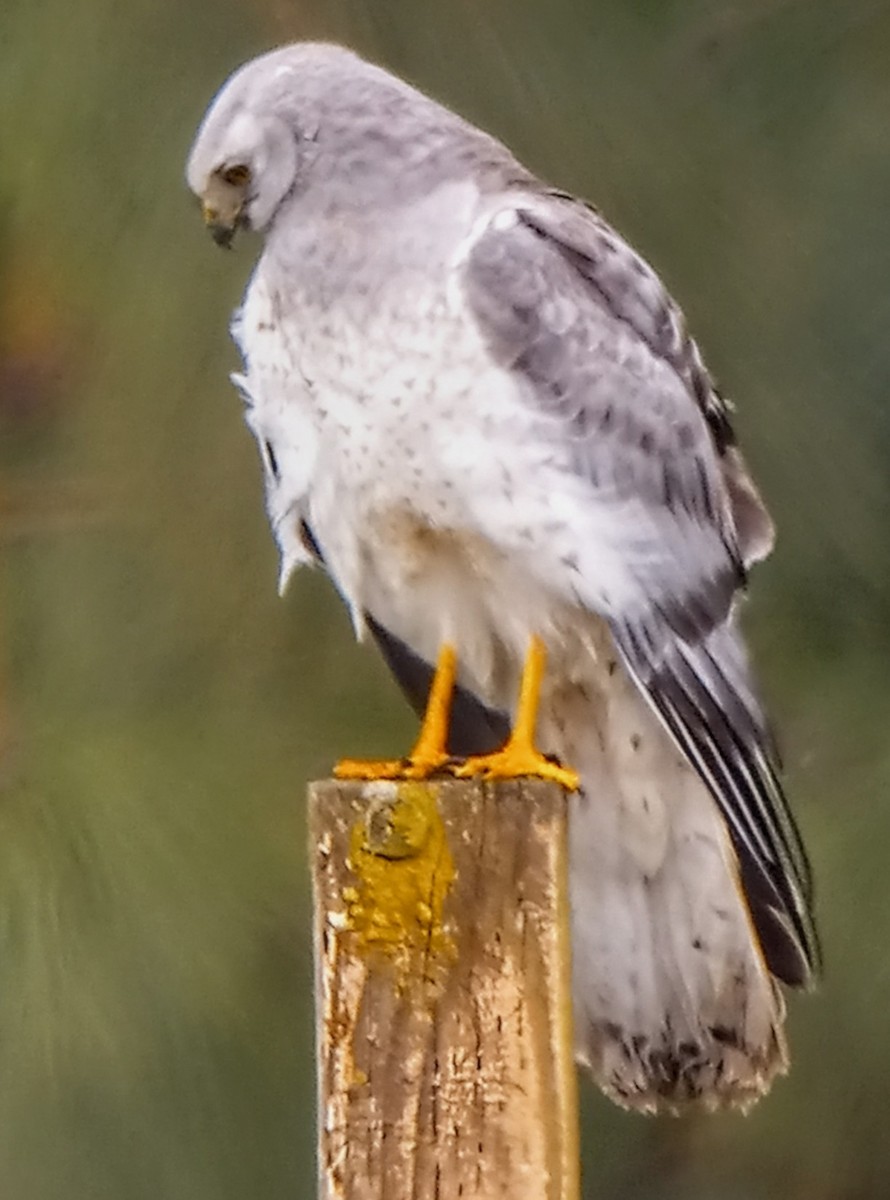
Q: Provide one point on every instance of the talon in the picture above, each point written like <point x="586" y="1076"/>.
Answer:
<point x="520" y="757"/>
<point x="514" y="763"/>
<point x="370" y="769"/>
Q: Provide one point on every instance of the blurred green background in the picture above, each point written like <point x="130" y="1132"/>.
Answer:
<point x="162" y="708"/>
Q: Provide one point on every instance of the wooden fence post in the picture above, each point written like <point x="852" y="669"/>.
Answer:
<point x="443" y="999"/>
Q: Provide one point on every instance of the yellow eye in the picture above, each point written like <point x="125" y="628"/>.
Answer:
<point x="236" y="176"/>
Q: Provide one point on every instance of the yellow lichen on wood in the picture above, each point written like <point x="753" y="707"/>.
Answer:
<point x="403" y="870"/>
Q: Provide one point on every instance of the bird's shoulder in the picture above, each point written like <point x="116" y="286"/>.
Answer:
<point x="554" y="286"/>
<point x="546" y="241"/>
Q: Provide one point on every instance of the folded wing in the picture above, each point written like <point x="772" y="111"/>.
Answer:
<point x="601" y="351"/>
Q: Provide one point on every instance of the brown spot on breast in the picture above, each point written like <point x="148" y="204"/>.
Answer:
<point x="421" y="548"/>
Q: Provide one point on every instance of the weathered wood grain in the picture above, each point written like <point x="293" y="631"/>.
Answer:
<point x="443" y="991"/>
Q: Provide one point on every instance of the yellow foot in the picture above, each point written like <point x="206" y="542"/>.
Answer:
<point x="412" y="767"/>
<point x="520" y="757"/>
<point x="429" y="754"/>
<point x="514" y="762"/>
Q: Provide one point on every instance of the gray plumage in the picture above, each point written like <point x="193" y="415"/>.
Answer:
<point x="482" y="411"/>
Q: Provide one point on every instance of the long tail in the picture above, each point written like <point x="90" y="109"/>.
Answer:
<point x="675" y="1004"/>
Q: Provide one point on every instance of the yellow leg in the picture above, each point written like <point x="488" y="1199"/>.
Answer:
<point x="520" y="756"/>
<point x="430" y="750"/>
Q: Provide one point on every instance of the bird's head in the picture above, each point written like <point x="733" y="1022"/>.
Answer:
<point x="243" y="161"/>
<point x="255" y="139"/>
<point x="317" y="124"/>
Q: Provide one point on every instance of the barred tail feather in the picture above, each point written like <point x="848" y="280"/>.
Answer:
<point x="675" y="1005"/>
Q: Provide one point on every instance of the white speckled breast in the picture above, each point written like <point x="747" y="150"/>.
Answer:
<point x="387" y="421"/>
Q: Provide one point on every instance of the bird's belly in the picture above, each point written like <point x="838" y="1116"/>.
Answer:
<point x="433" y="584"/>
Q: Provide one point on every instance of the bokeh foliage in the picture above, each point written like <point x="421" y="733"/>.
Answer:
<point x="162" y="708"/>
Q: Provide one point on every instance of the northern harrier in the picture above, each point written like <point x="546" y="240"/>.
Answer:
<point x="479" y="408"/>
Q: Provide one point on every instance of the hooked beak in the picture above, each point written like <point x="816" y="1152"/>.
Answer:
<point x="222" y="207"/>
<point x="222" y="231"/>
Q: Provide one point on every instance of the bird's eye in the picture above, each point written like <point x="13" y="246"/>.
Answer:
<point x="236" y="176"/>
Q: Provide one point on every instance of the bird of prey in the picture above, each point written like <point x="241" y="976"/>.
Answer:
<point x="481" y="411"/>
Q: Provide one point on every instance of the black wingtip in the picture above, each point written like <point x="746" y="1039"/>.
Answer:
<point x="704" y="697"/>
